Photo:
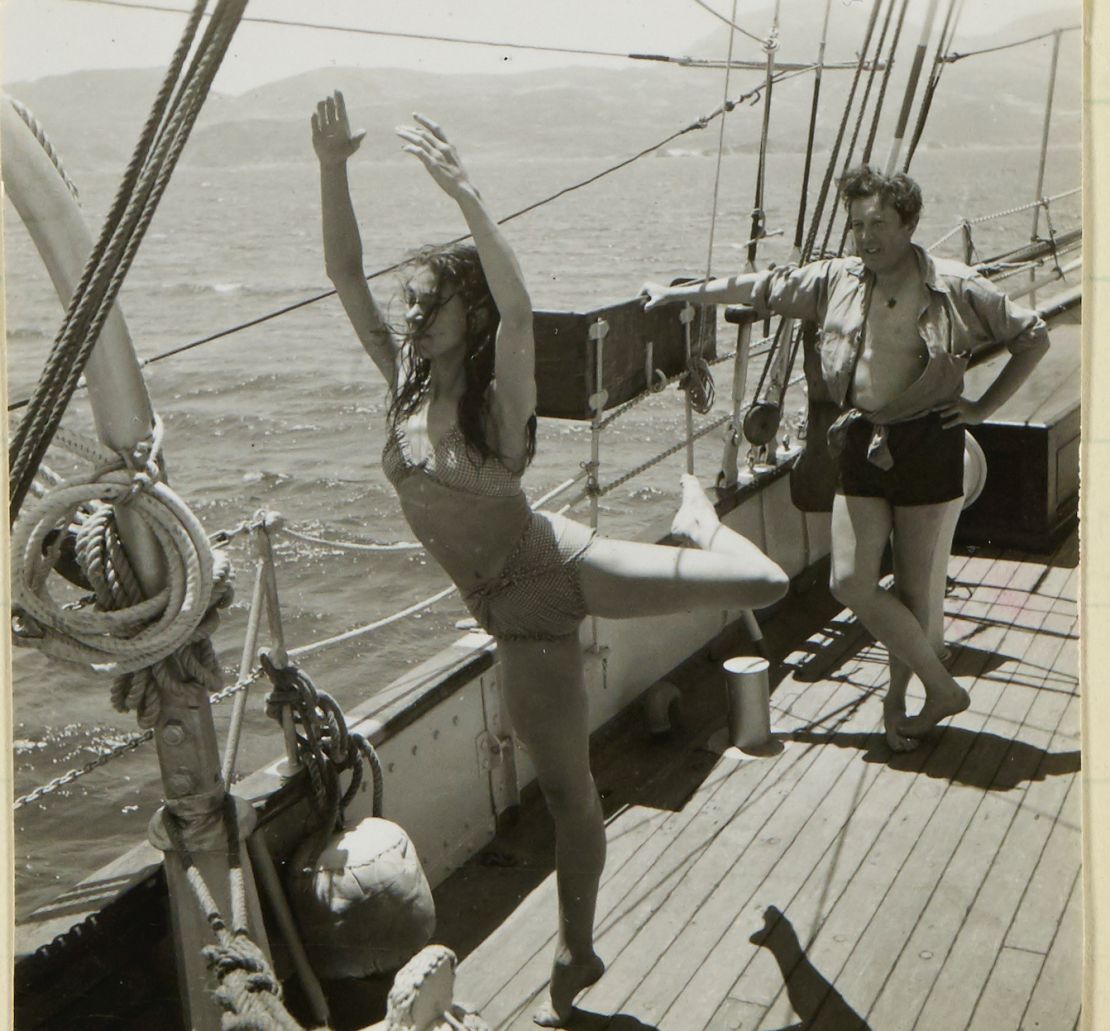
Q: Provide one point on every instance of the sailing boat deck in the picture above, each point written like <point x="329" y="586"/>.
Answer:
<point x="833" y="885"/>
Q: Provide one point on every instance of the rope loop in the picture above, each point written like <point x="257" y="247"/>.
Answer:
<point x="698" y="385"/>
<point x="146" y="642"/>
<point x="325" y="745"/>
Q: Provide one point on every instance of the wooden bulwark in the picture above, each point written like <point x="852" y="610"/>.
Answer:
<point x="836" y="886"/>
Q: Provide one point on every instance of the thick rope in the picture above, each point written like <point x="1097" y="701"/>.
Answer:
<point x="148" y="643"/>
<point x="48" y="147"/>
<point x="876" y="116"/>
<point x="157" y="155"/>
<point x="947" y="34"/>
<point x="249" y="991"/>
<point x="811" y="237"/>
<point x="326" y="748"/>
<point x="803" y="200"/>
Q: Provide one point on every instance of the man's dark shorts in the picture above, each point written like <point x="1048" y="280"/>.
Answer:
<point x="928" y="463"/>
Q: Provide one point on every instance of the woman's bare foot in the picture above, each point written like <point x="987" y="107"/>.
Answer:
<point x="894" y="712"/>
<point x="567" y="980"/>
<point x="696" y="518"/>
<point x="936" y="708"/>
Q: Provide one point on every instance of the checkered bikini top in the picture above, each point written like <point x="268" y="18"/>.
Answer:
<point x="451" y="464"/>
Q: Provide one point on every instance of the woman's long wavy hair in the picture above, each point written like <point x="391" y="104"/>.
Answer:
<point x="458" y="270"/>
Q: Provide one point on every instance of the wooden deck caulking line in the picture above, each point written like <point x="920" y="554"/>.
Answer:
<point x="880" y="832"/>
<point x="1005" y="633"/>
<point x="955" y="935"/>
<point x="920" y="757"/>
<point x="803" y="762"/>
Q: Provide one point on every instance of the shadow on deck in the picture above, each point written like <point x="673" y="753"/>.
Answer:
<point x="826" y="888"/>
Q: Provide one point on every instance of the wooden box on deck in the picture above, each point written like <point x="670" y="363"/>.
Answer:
<point x="566" y="356"/>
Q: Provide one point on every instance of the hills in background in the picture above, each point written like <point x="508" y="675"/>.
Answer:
<point x="94" y="117"/>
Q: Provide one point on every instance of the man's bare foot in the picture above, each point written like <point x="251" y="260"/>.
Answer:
<point x="567" y="980"/>
<point x="696" y="518"/>
<point x="894" y="712"/>
<point x="933" y="711"/>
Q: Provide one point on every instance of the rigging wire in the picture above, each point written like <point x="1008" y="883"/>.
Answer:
<point x="954" y="57"/>
<point x="721" y="148"/>
<point x="799" y="227"/>
<point x="880" y="100"/>
<point x="759" y="219"/>
<point x="464" y="40"/>
<point x="730" y="22"/>
<point x="752" y="95"/>
<point x="822" y="196"/>
<point x="876" y="115"/>
<point x="161" y="142"/>
<point x="947" y="34"/>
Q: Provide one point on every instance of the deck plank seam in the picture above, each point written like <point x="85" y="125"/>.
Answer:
<point x="1076" y="885"/>
<point x="921" y="758"/>
<point x="917" y="772"/>
<point x="1013" y="816"/>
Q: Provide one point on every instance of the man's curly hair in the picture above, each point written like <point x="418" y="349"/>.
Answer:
<point x="898" y="190"/>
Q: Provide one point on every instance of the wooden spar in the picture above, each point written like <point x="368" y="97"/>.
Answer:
<point x="911" y="88"/>
<point x="184" y="734"/>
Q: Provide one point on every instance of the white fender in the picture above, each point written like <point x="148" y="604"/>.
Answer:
<point x="120" y="403"/>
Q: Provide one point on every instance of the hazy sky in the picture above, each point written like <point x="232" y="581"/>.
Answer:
<point x="48" y="37"/>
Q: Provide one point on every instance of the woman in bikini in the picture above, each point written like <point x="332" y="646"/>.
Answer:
<point x="462" y="429"/>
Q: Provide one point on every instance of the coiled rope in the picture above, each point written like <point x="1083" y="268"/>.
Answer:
<point x="144" y="642"/>
<point x="163" y="138"/>
<point x="325" y="745"/>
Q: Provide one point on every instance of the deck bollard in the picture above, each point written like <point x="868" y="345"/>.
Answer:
<point x="749" y="701"/>
<point x="747" y="690"/>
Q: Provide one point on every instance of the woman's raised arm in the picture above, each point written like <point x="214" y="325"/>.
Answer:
<point x="514" y="388"/>
<point x="334" y="143"/>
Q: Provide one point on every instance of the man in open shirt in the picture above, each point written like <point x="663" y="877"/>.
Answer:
<point x="897" y="329"/>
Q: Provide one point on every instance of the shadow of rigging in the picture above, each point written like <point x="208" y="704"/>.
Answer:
<point x="816" y="1001"/>
<point x="977" y="759"/>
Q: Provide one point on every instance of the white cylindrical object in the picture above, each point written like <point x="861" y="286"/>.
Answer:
<point x="749" y="701"/>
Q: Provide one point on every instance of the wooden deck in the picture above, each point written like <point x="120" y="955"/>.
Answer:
<point x="833" y="886"/>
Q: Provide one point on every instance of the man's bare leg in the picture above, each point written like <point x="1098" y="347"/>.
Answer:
<point x="922" y="543"/>
<point x="860" y="528"/>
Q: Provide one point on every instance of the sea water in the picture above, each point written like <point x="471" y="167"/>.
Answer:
<point x="289" y="415"/>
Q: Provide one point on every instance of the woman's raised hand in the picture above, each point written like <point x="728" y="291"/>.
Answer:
<point x="332" y="138"/>
<point x="438" y="155"/>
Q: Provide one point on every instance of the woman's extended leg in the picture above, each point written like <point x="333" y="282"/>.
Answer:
<point x="626" y="578"/>
<point x="860" y="529"/>
<point x="546" y="694"/>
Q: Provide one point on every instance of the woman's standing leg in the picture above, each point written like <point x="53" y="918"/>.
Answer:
<point x="545" y="689"/>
